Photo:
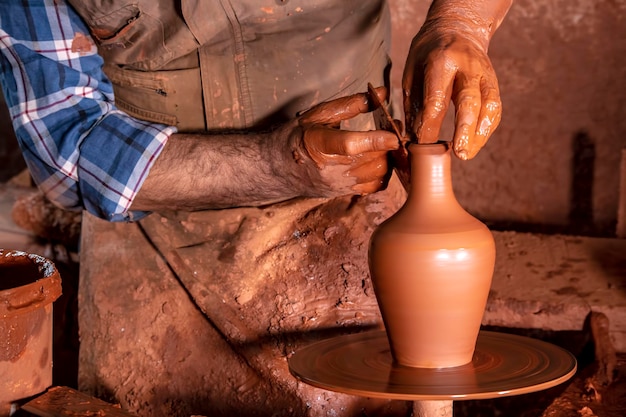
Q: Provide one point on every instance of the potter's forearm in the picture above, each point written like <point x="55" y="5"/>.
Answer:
<point x="305" y="157"/>
<point x="199" y="172"/>
<point x="480" y="18"/>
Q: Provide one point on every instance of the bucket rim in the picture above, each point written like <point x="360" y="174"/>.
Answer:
<point x="35" y="294"/>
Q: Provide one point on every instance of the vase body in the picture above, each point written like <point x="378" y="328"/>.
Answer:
<point x="431" y="266"/>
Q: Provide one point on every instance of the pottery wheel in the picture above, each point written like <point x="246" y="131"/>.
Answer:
<point x="503" y="365"/>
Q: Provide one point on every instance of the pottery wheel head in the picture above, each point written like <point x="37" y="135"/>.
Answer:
<point x="503" y="365"/>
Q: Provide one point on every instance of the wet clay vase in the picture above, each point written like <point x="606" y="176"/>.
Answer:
<point x="29" y="284"/>
<point x="431" y="266"/>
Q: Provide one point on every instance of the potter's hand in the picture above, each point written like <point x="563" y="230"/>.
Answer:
<point x="339" y="162"/>
<point x="447" y="62"/>
<point x="308" y="156"/>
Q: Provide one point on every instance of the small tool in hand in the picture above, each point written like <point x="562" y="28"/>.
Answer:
<point x="400" y="157"/>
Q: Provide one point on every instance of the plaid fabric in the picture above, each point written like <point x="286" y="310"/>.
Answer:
<point x="81" y="150"/>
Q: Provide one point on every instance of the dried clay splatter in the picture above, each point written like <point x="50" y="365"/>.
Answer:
<point x="81" y="43"/>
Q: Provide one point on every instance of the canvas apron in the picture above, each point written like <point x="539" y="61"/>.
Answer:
<point x="247" y="284"/>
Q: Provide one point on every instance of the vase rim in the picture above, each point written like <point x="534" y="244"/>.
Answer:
<point x="437" y="148"/>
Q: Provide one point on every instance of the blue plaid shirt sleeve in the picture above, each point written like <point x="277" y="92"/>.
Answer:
<point x="82" y="151"/>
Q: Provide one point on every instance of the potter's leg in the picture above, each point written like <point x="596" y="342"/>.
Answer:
<point x="144" y="344"/>
<point x="432" y="408"/>
<point x="276" y="278"/>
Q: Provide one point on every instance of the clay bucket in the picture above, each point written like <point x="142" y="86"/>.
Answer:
<point x="29" y="284"/>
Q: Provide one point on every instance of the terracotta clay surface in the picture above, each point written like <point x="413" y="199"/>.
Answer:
<point x="503" y="365"/>
<point x="431" y="265"/>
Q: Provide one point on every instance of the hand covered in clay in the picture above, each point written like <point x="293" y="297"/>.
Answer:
<point x="339" y="162"/>
<point x="447" y="62"/>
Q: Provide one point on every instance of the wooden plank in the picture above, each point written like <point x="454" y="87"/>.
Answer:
<point x="553" y="282"/>
<point x="598" y="389"/>
<point x="64" y="401"/>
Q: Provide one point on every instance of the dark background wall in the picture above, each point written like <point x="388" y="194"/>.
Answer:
<point x="11" y="161"/>
<point x="553" y="165"/>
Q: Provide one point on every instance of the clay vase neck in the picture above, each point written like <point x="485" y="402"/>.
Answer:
<point x="431" y="203"/>
<point x="431" y="265"/>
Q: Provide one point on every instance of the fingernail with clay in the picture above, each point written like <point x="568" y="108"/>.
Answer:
<point x="461" y="149"/>
<point x="461" y="153"/>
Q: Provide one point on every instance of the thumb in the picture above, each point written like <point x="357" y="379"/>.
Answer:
<point x="334" y="111"/>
